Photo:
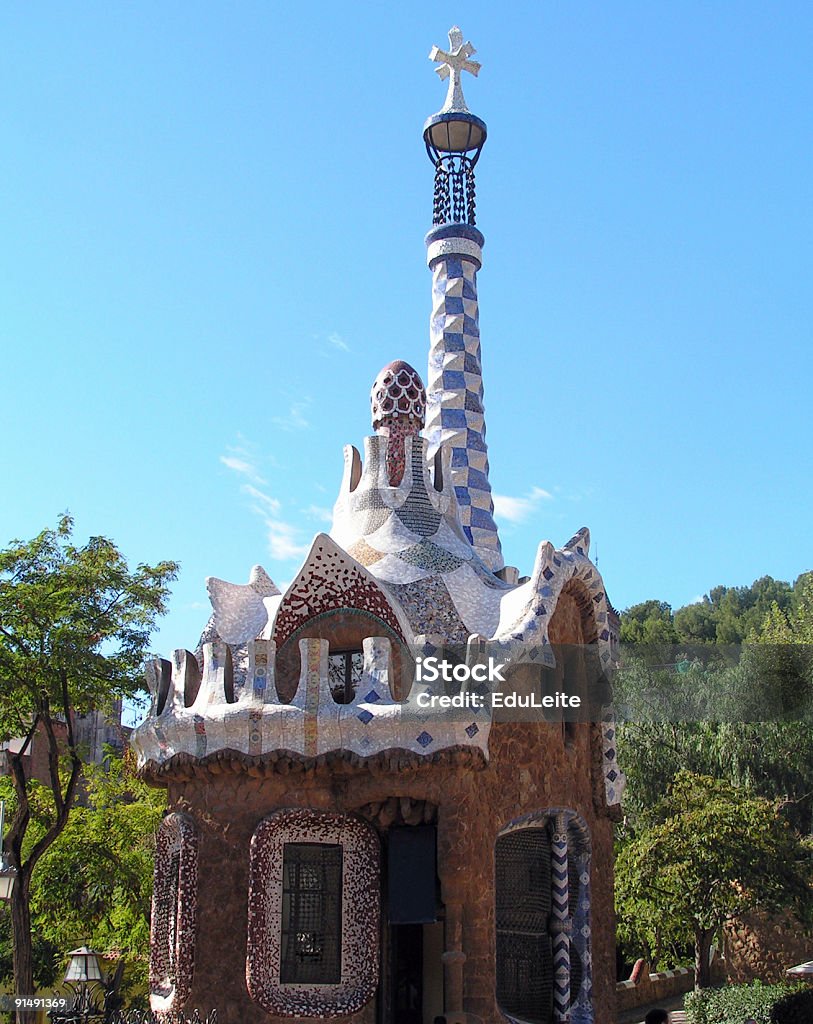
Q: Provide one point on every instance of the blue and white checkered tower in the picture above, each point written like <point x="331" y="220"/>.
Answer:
<point x="454" y="138"/>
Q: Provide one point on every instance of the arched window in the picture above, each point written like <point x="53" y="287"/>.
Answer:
<point x="542" y="895"/>
<point x="313" y="914"/>
<point x="174" y="913"/>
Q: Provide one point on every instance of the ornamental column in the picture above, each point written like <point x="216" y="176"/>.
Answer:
<point x="454" y="139"/>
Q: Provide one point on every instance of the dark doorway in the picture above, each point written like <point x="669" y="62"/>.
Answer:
<point x="412" y="929"/>
<point x="406" y="945"/>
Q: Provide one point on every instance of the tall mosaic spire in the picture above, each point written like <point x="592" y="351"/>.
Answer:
<point x="454" y="139"/>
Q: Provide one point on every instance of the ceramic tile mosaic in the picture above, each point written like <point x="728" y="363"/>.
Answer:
<point x="418" y="587"/>
<point x="477" y="604"/>
<point x="241" y="610"/>
<point x="311" y="725"/>
<point x="360" y="913"/>
<point x="174" y="913"/>
<point x="430" y="609"/>
<point x="330" y="579"/>
<point x="398" y="403"/>
<point x="454" y="414"/>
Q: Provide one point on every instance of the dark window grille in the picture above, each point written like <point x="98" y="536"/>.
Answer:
<point x="523" y="904"/>
<point x="311" y="914"/>
<point x="344" y="671"/>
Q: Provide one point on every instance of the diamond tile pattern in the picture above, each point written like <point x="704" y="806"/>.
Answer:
<point x="454" y="414"/>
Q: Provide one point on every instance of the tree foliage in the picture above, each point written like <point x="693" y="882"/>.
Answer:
<point x="95" y="881"/>
<point x="741" y="713"/>
<point x="712" y="852"/>
<point x="726" y="615"/>
<point x="74" y="626"/>
<point x="729" y="721"/>
<point x="94" y="884"/>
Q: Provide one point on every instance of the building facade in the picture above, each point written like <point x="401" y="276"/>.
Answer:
<point x="351" y="836"/>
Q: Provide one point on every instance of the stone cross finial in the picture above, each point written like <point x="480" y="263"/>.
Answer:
<point x="452" y="65"/>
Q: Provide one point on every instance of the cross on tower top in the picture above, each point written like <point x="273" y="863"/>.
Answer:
<point x="452" y="64"/>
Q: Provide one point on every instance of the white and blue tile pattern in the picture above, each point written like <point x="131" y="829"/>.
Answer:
<point x="454" y="414"/>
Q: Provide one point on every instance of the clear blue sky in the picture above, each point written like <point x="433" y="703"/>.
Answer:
<point x="213" y="220"/>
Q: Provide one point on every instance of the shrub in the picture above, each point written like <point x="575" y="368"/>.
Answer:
<point x="794" y="1008"/>
<point x="765" y="1004"/>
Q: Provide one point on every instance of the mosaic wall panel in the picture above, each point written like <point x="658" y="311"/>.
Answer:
<point x="360" y="912"/>
<point x="330" y="579"/>
<point x="526" y="613"/>
<point x="174" y="913"/>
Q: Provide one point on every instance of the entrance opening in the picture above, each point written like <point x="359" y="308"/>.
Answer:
<point x="416" y="973"/>
<point x="406" y="943"/>
<point x="411" y="990"/>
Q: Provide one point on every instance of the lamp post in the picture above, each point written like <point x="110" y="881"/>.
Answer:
<point x="84" y="978"/>
<point x="8" y="873"/>
<point x="454" y="137"/>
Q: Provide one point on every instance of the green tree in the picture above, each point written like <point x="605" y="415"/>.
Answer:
<point x="648" y="623"/>
<point x="96" y="879"/>
<point x="726" y="615"/>
<point x="74" y="625"/>
<point x="696" y="623"/>
<point x="711" y="853"/>
<point x="789" y="623"/>
<point x="746" y="722"/>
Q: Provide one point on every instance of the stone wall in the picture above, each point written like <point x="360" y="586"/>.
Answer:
<point x="763" y="947"/>
<point x="643" y="988"/>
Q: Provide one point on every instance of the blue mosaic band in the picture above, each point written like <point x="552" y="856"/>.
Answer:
<point x="560" y="920"/>
<point x="454" y="414"/>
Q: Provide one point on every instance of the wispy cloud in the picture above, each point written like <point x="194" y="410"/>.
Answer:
<point x="241" y="459"/>
<point x="518" y="509"/>
<point x="264" y="505"/>
<point x="337" y="341"/>
<point x="284" y="538"/>
<point x="320" y="513"/>
<point x="296" y="418"/>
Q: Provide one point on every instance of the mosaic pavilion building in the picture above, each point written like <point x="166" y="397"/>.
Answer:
<point x="338" y="845"/>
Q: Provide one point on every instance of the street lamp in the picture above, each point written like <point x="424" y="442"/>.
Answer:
<point x="81" y="977"/>
<point x="454" y="138"/>
<point x="8" y="873"/>
<point x="83" y="966"/>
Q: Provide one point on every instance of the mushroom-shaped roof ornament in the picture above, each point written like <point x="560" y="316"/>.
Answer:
<point x="398" y="394"/>
<point x="398" y="401"/>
